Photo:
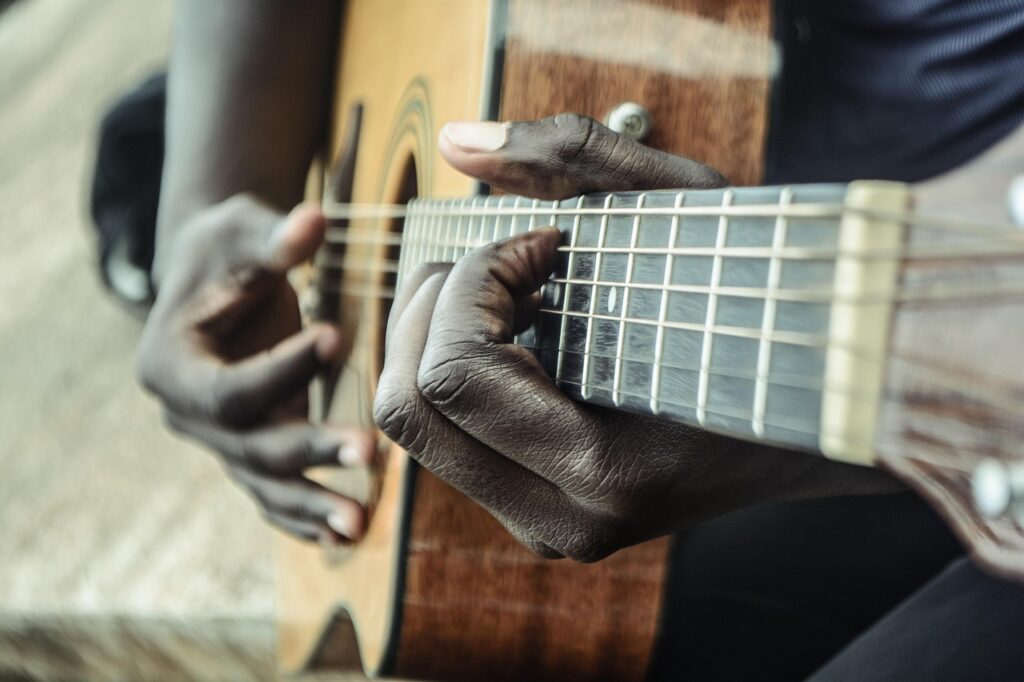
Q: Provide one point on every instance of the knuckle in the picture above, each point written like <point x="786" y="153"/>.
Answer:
<point x="580" y="135"/>
<point x="259" y="493"/>
<point x="305" y="454"/>
<point x="399" y="414"/>
<point x="542" y="550"/>
<point x="227" y="405"/>
<point x="250" y="454"/>
<point x="443" y="382"/>
<point x="584" y="543"/>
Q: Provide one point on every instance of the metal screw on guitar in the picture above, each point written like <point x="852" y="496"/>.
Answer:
<point x="630" y="119"/>
<point x="998" y="488"/>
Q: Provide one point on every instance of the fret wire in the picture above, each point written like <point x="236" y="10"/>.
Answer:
<point x="630" y="264"/>
<point x="451" y="228"/>
<point x="416" y="231"/>
<point x="495" y="229"/>
<point x="497" y="219"/>
<point x="460" y="239"/>
<point x="433" y="237"/>
<point x="764" y="346"/>
<point x="565" y="290"/>
<point x="444" y="236"/>
<point x="451" y="236"/>
<point x="419" y="254"/>
<point x="601" y="237"/>
<point x="440" y="230"/>
<point x="512" y="223"/>
<point x="533" y="218"/>
<point x="787" y="380"/>
<point x="461" y="244"/>
<point x="659" y="341"/>
<point x="427" y="226"/>
<point x="739" y="414"/>
<point x="434" y="231"/>
<point x="716" y="279"/>
<point x="479" y="238"/>
<point x="428" y="243"/>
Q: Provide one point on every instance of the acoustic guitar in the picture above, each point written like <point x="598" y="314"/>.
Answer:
<point x="874" y="323"/>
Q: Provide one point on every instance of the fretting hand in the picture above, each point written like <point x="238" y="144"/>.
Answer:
<point x="566" y="479"/>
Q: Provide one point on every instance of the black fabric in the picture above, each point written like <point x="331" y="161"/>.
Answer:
<point x="883" y="89"/>
<point x="964" y="625"/>
<point x="773" y="592"/>
<point x="126" y="181"/>
<point x="893" y="89"/>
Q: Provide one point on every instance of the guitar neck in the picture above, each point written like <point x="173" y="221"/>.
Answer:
<point x="757" y="312"/>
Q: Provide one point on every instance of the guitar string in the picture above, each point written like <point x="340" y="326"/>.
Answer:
<point x="959" y="253"/>
<point x="810" y="211"/>
<point x="804" y="427"/>
<point x="957" y="250"/>
<point x="914" y="293"/>
<point x="1006" y="401"/>
<point x="918" y="251"/>
<point x="1000" y="399"/>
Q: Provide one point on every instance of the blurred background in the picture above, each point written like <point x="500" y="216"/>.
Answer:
<point x="124" y="553"/>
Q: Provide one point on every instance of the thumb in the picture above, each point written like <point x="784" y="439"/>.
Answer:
<point x="566" y="155"/>
<point x="296" y="238"/>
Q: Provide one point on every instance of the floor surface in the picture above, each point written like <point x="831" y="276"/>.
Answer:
<point x="106" y="520"/>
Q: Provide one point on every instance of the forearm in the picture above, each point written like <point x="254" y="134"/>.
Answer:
<point x="247" y="100"/>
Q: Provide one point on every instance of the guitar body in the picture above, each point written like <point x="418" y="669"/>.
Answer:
<point x="437" y="589"/>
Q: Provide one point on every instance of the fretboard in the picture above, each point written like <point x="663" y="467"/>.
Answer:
<point x="716" y="308"/>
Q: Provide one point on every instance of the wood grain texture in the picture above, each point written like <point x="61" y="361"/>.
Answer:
<point x="703" y="68"/>
<point x="475" y="604"/>
<point x="499" y="611"/>
<point x="412" y="66"/>
<point x="479" y="606"/>
<point x="955" y="383"/>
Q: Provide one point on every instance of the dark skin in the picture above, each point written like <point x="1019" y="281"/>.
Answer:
<point x="225" y="352"/>
<point x="567" y="479"/>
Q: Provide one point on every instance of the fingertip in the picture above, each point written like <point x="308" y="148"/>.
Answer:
<point x="299" y="236"/>
<point x="357" y="448"/>
<point x="347" y="520"/>
<point x="548" y="236"/>
<point x="328" y="343"/>
<point x="474" y="153"/>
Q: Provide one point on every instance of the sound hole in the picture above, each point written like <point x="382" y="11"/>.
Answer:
<point x="404" y="193"/>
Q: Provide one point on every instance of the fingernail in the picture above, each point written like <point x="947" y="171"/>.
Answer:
<point x="342" y="524"/>
<point x="328" y="345"/>
<point x="483" y="136"/>
<point x="349" y="456"/>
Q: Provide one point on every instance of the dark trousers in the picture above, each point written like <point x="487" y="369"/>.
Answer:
<point x="858" y="588"/>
